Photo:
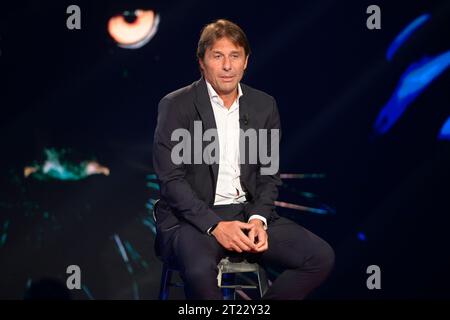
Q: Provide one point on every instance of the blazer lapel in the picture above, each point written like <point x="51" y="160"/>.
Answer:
<point x="203" y="105"/>
<point x="204" y="108"/>
<point x="244" y="124"/>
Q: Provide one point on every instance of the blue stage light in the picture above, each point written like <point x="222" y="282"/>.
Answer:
<point x="444" y="134"/>
<point x="405" y="34"/>
<point x="415" y="79"/>
<point x="362" y="236"/>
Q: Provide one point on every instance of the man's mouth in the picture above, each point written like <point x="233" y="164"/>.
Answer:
<point x="227" y="78"/>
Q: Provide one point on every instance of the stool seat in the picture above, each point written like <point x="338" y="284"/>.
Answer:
<point x="226" y="266"/>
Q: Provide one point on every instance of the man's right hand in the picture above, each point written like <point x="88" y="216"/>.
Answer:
<point x="230" y="235"/>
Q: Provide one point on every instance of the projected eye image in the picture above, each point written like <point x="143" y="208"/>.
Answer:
<point x="133" y="29"/>
<point x="230" y="150"/>
<point x="55" y="168"/>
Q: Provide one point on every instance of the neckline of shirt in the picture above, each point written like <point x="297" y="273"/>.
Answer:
<point x="214" y="96"/>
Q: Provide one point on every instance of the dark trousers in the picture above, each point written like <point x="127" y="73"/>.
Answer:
<point x="304" y="259"/>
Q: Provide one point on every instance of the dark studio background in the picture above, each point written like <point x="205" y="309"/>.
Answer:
<point x="76" y="89"/>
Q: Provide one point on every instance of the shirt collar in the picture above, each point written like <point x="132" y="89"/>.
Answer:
<point x="213" y="94"/>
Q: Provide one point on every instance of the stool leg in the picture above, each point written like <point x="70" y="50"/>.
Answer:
<point x="262" y="281"/>
<point x="228" y="279"/>
<point x="166" y="278"/>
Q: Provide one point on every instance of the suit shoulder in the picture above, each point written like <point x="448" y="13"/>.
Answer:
<point x="179" y="96"/>
<point x="257" y="94"/>
<point x="259" y="98"/>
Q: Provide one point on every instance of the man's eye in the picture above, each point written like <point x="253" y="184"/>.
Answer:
<point x="133" y="29"/>
<point x="217" y="56"/>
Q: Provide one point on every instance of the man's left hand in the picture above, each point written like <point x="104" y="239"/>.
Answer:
<point x="258" y="236"/>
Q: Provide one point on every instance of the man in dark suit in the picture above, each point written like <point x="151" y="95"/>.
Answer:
<point x="211" y="210"/>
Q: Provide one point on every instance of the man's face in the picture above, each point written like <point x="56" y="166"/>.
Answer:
<point x="223" y="65"/>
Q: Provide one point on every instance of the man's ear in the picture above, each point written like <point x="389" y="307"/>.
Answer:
<point x="201" y="64"/>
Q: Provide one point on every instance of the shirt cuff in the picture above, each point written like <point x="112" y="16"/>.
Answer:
<point x="257" y="216"/>
<point x="211" y="229"/>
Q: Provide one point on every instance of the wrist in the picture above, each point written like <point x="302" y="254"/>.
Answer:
<point x="260" y="218"/>
<point x="210" y="230"/>
<point x="257" y="222"/>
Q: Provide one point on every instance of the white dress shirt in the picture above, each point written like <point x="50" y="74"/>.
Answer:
<point x="229" y="189"/>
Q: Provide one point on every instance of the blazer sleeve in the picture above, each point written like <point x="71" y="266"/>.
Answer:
<point x="175" y="189"/>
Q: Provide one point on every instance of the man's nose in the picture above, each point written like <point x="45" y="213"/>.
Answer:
<point x="226" y="64"/>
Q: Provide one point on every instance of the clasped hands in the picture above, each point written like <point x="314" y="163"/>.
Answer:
<point x="230" y="234"/>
